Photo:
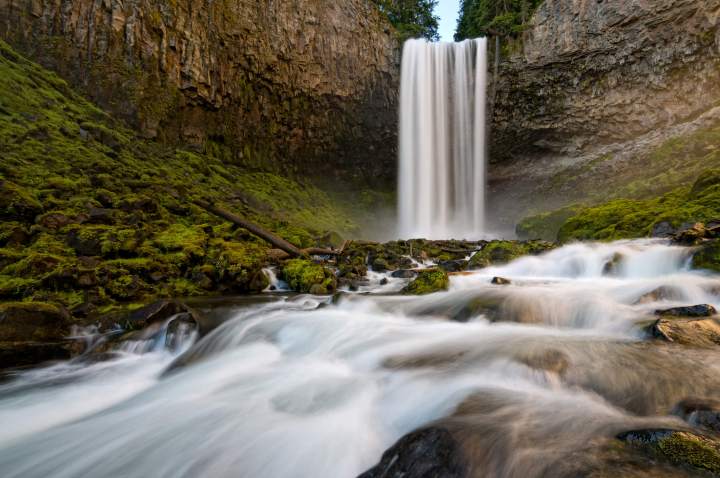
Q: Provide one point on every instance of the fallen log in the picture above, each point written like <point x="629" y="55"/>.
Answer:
<point x="266" y="235"/>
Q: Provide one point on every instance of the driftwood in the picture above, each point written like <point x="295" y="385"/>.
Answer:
<point x="275" y="240"/>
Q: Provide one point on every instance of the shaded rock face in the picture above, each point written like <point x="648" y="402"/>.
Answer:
<point x="592" y="88"/>
<point x="431" y="452"/>
<point x="605" y="71"/>
<point x="288" y="85"/>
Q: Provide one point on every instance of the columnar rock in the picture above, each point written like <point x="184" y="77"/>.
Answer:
<point x="291" y="85"/>
<point x="593" y="72"/>
<point x="593" y="86"/>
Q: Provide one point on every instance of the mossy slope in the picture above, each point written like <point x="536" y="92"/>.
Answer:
<point x="93" y="213"/>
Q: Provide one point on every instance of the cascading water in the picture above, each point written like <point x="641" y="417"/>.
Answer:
<point x="550" y="369"/>
<point x="442" y="139"/>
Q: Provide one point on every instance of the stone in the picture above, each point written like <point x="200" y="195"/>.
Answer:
<point x="404" y="274"/>
<point x="688" y="331"/>
<point x="703" y="413"/>
<point x="678" y="447"/>
<point x="701" y="310"/>
<point x="428" y="281"/>
<point x="428" y="453"/>
<point x="33" y="322"/>
<point x="663" y="229"/>
<point x="500" y="281"/>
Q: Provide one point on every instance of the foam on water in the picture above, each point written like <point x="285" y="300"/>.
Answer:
<point x="301" y="387"/>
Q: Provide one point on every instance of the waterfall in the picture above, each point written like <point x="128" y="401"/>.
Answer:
<point x="442" y="139"/>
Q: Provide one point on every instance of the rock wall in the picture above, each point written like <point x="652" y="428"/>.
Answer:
<point x="307" y="86"/>
<point x="590" y="74"/>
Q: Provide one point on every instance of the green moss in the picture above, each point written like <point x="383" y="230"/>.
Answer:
<point x="631" y="218"/>
<point x="428" y="282"/>
<point x="502" y="252"/>
<point x="17" y="202"/>
<point x="17" y="287"/>
<point x="545" y="226"/>
<point x="64" y="157"/>
<point x="708" y="257"/>
<point x="307" y="277"/>
<point x="689" y="449"/>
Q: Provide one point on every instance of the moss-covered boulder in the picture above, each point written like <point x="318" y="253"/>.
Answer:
<point x="502" y="252"/>
<point x="17" y="202"/>
<point x="707" y="256"/>
<point x="33" y="321"/>
<point x="428" y="281"/>
<point x="678" y="447"/>
<point x="308" y="277"/>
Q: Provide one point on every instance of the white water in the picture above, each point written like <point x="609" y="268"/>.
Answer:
<point x="442" y="139"/>
<point x="300" y="388"/>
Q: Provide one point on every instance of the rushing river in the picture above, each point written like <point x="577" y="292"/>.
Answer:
<point x="300" y="386"/>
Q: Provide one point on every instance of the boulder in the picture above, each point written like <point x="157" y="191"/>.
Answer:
<point x="692" y="235"/>
<point x="688" y="331"/>
<point x="500" y="281"/>
<point x="679" y="447"/>
<point x="404" y="274"/>
<point x="701" y="310"/>
<point x="703" y="413"/>
<point x="33" y="321"/>
<point x="302" y="275"/>
<point x="428" y="453"/>
<point x="428" y="281"/>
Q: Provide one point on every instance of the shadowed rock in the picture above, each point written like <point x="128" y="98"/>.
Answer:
<point x="428" y="453"/>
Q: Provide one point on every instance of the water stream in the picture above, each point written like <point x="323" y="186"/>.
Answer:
<point x="302" y="386"/>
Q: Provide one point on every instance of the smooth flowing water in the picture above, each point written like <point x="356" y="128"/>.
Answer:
<point x="442" y="139"/>
<point x="303" y="387"/>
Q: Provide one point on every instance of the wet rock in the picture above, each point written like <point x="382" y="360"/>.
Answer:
<point x="701" y="310"/>
<point x="688" y="331"/>
<point x="27" y="354"/>
<point x="404" y="274"/>
<point x="663" y="229"/>
<point x="428" y="282"/>
<point x="661" y="293"/>
<point x="384" y="281"/>
<point x="678" y="447"/>
<point x="692" y="235"/>
<point x="453" y="266"/>
<point x="303" y="275"/>
<point x="707" y="256"/>
<point x="428" y="453"/>
<point x="500" y="281"/>
<point x="259" y="282"/>
<point x="703" y="413"/>
<point x="612" y="267"/>
<point x="159" y="312"/>
<point x="550" y="360"/>
<point x="502" y="252"/>
<point x="380" y="265"/>
<point x="33" y="321"/>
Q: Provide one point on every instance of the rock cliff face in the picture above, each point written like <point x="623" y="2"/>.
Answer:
<point x="295" y="85"/>
<point x="591" y="77"/>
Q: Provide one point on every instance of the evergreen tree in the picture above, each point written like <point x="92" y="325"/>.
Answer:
<point x="412" y="18"/>
<point x="494" y="17"/>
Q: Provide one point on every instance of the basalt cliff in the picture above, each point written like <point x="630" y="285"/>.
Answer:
<point x="590" y="94"/>
<point x="304" y="86"/>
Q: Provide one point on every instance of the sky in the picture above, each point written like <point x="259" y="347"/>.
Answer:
<point x="447" y="10"/>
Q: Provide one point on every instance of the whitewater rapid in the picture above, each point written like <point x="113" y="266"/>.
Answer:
<point x="306" y="386"/>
